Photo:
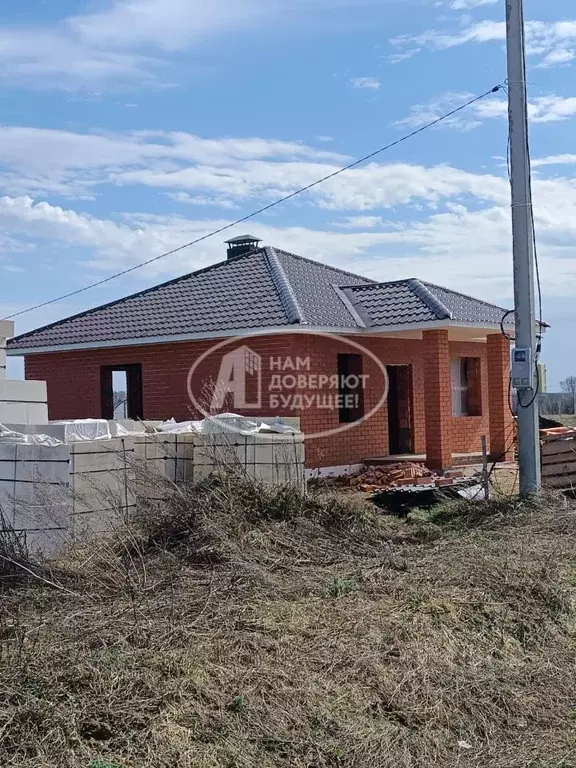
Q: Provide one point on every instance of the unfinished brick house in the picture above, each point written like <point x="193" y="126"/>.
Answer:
<point x="446" y="360"/>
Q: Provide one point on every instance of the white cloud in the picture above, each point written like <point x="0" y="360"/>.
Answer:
<point x="226" y="171"/>
<point x="167" y="24"/>
<point x="112" y="46"/>
<point x="482" y="32"/>
<point x="558" y="56"/>
<point x="52" y="58"/>
<point x="464" y="5"/>
<point x="430" y="248"/>
<point x="73" y="164"/>
<point x="550" y="109"/>
<point x="555" y="160"/>
<point x="422" y="114"/>
<point x="176" y="24"/>
<point x="183" y="198"/>
<point x="362" y="189"/>
<point x="369" y="83"/>
<point x="541" y="109"/>
<point x="360" y="222"/>
<point x="554" y="42"/>
<point x="397" y="58"/>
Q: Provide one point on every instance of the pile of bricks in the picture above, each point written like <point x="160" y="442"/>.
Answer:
<point x="402" y="475"/>
<point x="558" y="432"/>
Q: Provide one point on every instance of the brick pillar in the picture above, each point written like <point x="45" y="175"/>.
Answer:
<point x="438" y="399"/>
<point x="501" y="419"/>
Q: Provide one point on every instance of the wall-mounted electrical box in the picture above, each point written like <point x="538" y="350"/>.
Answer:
<point x="522" y="368"/>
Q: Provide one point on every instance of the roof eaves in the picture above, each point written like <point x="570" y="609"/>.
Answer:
<point x="432" y="302"/>
<point x="221" y="334"/>
<point x="294" y="313"/>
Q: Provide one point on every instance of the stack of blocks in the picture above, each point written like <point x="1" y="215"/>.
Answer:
<point x="21" y="402"/>
<point x="51" y="496"/>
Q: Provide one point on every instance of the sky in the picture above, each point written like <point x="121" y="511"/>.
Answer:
<point x="129" y="127"/>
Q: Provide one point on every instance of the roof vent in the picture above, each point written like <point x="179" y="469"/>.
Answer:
<point x="238" y="246"/>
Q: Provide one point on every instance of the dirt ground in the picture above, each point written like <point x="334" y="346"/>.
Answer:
<point x="240" y="628"/>
<point x="505" y="481"/>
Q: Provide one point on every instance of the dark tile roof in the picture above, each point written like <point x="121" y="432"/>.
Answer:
<point x="267" y="287"/>
<point x="314" y="283"/>
<point x="465" y="308"/>
<point x="414" y="301"/>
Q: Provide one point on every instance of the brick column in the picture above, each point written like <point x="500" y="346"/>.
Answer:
<point x="501" y="419"/>
<point x="438" y="399"/>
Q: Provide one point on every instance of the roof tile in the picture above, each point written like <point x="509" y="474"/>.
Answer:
<point x="267" y="287"/>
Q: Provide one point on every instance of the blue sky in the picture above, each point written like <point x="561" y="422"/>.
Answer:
<point x="132" y="126"/>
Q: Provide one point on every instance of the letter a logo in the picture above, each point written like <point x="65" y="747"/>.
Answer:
<point x="241" y="375"/>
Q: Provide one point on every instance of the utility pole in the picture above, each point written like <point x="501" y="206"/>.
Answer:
<point x="523" y="248"/>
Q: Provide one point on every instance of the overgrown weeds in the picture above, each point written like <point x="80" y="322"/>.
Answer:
<point x="16" y="563"/>
<point x="232" y="625"/>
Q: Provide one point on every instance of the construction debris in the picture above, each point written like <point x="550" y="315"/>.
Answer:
<point x="554" y="433"/>
<point x="403" y="475"/>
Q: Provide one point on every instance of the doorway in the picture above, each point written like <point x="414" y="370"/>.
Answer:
<point x="400" y="416"/>
<point x="121" y="391"/>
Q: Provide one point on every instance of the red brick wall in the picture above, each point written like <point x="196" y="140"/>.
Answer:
<point x="438" y="398"/>
<point x="74" y="388"/>
<point x="467" y="431"/>
<point x="501" y="419"/>
<point x="73" y="378"/>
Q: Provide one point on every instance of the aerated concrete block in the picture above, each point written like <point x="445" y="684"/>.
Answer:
<point x="6" y="332"/>
<point x="23" y="391"/>
<point x="6" y="329"/>
<point x="23" y="402"/>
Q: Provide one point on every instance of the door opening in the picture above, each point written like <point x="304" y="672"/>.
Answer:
<point x="400" y="421"/>
<point x="121" y="391"/>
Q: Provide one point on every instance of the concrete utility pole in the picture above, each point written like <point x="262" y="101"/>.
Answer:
<point x="523" y="246"/>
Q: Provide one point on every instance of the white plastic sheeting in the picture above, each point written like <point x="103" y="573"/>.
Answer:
<point x="225" y="422"/>
<point x="85" y="429"/>
<point x="8" y="436"/>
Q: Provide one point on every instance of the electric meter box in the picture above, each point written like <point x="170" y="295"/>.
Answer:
<point x="522" y="368"/>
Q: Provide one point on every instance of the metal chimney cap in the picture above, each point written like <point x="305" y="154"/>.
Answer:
<point x="241" y="239"/>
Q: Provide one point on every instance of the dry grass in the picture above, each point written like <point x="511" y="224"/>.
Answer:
<point x="568" y="420"/>
<point x="238" y="628"/>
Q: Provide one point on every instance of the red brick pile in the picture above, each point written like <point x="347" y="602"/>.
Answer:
<point x="558" y="432"/>
<point x="393" y="476"/>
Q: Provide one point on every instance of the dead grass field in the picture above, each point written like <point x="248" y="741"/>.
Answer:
<point x="235" y="628"/>
<point x="568" y="420"/>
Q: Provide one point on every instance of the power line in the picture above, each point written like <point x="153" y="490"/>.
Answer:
<point x="265" y="208"/>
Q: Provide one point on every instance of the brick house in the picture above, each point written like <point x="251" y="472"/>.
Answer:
<point x="443" y="354"/>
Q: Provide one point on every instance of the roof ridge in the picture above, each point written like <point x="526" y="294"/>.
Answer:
<point x="369" y="280"/>
<point x="360" y="317"/>
<point x="283" y="286"/>
<point x="432" y="302"/>
<point x="143" y="292"/>
<point x="377" y="284"/>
